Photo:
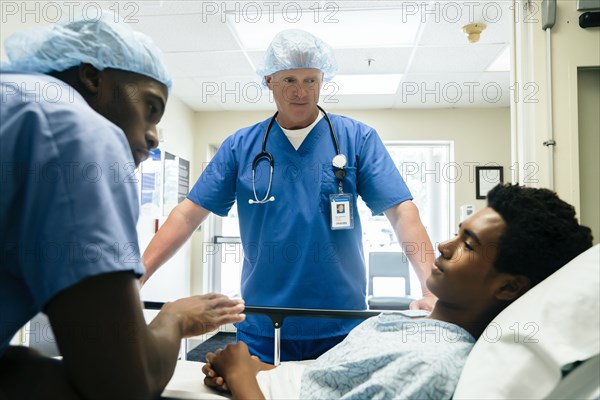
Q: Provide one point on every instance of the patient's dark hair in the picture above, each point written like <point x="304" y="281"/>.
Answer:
<point x="542" y="233"/>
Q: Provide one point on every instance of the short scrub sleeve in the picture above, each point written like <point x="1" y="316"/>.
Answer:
<point x="73" y="203"/>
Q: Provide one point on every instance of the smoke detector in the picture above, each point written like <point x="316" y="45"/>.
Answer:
<point x="473" y="31"/>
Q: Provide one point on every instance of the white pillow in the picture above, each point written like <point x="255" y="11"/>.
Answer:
<point x="524" y="350"/>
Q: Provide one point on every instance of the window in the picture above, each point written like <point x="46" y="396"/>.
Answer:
<point x="427" y="169"/>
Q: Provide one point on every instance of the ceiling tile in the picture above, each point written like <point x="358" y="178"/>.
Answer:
<point x="187" y="33"/>
<point x="171" y="7"/>
<point x="446" y="20"/>
<point x="486" y="89"/>
<point x="233" y="91"/>
<point x="468" y="58"/>
<point x="206" y="64"/>
<point x="200" y="104"/>
<point x="383" y="60"/>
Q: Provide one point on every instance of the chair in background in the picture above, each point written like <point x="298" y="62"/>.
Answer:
<point x="386" y="265"/>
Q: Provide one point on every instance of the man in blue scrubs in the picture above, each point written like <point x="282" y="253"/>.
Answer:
<point x="79" y="103"/>
<point x="298" y="251"/>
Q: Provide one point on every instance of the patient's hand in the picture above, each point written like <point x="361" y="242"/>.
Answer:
<point x="233" y="368"/>
<point x="211" y="379"/>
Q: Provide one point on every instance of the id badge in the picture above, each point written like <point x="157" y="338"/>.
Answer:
<point x="341" y="211"/>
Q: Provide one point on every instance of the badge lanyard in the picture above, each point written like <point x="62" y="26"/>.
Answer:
<point x="341" y="203"/>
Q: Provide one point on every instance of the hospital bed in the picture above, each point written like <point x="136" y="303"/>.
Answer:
<point x="544" y="345"/>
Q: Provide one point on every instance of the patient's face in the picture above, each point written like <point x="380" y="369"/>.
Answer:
<point x="465" y="273"/>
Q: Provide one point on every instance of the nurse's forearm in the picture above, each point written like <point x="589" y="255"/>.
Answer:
<point x="419" y="251"/>
<point x="414" y="239"/>
<point x="177" y="229"/>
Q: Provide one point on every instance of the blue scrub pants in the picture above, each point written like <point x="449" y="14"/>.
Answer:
<point x="290" y="350"/>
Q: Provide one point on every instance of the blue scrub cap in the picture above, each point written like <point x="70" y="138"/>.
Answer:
<point x="295" y="48"/>
<point x="99" y="42"/>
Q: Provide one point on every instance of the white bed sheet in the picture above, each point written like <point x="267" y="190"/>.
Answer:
<point x="282" y="382"/>
<point x="188" y="383"/>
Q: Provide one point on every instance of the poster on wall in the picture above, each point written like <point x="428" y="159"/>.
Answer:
<point x="184" y="179"/>
<point x="171" y="172"/>
<point x="151" y="182"/>
<point x="164" y="183"/>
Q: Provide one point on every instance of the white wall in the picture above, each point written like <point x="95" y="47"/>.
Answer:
<point x="572" y="48"/>
<point x="554" y="69"/>
<point x="589" y="146"/>
<point x="173" y="280"/>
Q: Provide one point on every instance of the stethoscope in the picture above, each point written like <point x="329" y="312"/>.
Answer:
<point x="338" y="161"/>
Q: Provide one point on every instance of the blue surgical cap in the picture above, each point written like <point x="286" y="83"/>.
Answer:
<point x="99" y="42"/>
<point x="295" y="48"/>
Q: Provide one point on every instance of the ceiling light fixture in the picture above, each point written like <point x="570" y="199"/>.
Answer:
<point x="383" y="29"/>
<point x="473" y="31"/>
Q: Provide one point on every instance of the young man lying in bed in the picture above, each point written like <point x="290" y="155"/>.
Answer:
<point x="500" y="252"/>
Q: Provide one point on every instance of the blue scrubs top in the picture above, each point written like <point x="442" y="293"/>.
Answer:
<point x="68" y="210"/>
<point x="292" y="257"/>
